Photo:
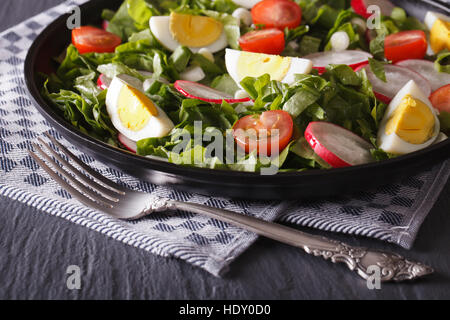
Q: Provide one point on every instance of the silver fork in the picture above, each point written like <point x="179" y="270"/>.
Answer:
<point x="95" y="191"/>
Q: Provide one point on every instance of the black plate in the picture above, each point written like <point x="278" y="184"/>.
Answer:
<point x="52" y="41"/>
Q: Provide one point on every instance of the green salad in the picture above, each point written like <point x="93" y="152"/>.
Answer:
<point x="247" y="85"/>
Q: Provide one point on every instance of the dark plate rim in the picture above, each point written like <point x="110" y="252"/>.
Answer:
<point x="173" y="169"/>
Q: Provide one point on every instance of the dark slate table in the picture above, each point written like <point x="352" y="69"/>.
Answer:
<point x="36" y="249"/>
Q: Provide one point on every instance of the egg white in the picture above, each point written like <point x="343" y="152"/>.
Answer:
<point x="298" y="66"/>
<point x="160" y="27"/>
<point x="157" y="126"/>
<point x="431" y="17"/>
<point x="393" y="143"/>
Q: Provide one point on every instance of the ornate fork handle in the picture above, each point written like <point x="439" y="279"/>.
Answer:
<point x="393" y="267"/>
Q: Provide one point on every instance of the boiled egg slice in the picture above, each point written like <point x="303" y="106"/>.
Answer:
<point x="132" y="113"/>
<point x="410" y="122"/>
<point x="439" y="26"/>
<point x="194" y="32"/>
<point x="241" y="64"/>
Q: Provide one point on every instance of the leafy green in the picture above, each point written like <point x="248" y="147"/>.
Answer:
<point x="113" y="69"/>
<point x="140" y="12"/>
<point x="88" y="116"/>
<point x="377" y="47"/>
<point x="444" y="119"/>
<point x="309" y="44"/>
<point x="442" y="63"/>
<point x="377" y="67"/>
<point x="398" y="15"/>
<point x="296" y="33"/>
<point x="180" y="58"/>
<point x="302" y="149"/>
<point x="302" y="99"/>
<point x="121" y="23"/>
<point x="225" y="84"/>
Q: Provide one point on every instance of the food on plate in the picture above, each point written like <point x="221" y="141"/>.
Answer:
<point x="241" y="64"/>
<point x="396" y="78"/>
<point x="405" y="45"/>
<point x="243" y="85"/>
<point x="129" y="144"/>
<point x="132" y="113"/>
<point x="352" y="58"/>
<point x="440" y="99"/>
<point x="427" y="70"/>
<point x="90" y="39"/>
<point x="199" y="91"/>
<point x="439" y="26"/>
<point x="337" y="146"/>
<point x="410" y="122"/>
<point x="272" y="129"/>
<point x="270" y="41"/>
<point x="192" y="31"/>
<point x="279" y="14"/>
<point x="361" y="7"/>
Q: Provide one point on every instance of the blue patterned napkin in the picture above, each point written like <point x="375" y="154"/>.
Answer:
<point x="391" y="213"/>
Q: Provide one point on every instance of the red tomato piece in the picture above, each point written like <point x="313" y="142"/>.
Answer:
<point x="277" y="14"/>
<point x="440" y="99"/>
<point x="270" y="41"/>
<point x="405" y="45"/>
<point x="91" y="39"/>
<point x="260" y="132"/>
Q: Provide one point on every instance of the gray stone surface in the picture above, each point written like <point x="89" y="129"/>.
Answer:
<point x="36" y="249"/>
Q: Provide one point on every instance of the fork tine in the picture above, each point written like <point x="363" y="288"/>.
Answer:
<point x="112" y="185"/>
<point x="74" y="192"/>
<point x="107" y="193"/>
<point x="86" y="191"/>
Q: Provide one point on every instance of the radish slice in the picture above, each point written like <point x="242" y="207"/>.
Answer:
<point x="129" y="144"/>
<point x="352" y="58"/>
<point x="396" y="78"/>
<point x="199" y="91"/>
<point x="105" y="24"/>
<point x="337" y="146"/>
<point x="103" y="82"/>
<point x="361" y="6"/>
<point x="426" y="69"/>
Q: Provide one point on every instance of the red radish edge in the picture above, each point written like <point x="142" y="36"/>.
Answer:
<point x="360" y="8"/>
<point x="101" y="83"/>
<point x="382" y="97"/>
<point x="129" y="144"/>
<point x="321" y="150"/>
<point x="180" y="85"/>
<point x="105" y="24"/>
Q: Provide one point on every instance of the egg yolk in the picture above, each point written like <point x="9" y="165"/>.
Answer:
<point x="412" y="121"/>
<point x="256" y="64"/>
<point x="134" y="108"/>
<point x="440" y="36"/>
<point x="194" y="31"/>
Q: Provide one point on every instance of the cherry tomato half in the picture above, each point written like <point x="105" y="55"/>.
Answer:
<point x="405" y="45"/>
<point x="91" y="39"/>
<point x="440" y="99"/>
<point x="277" y="14"/>
<point x="270" y="41"/>
<point x="260" y="132"/>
